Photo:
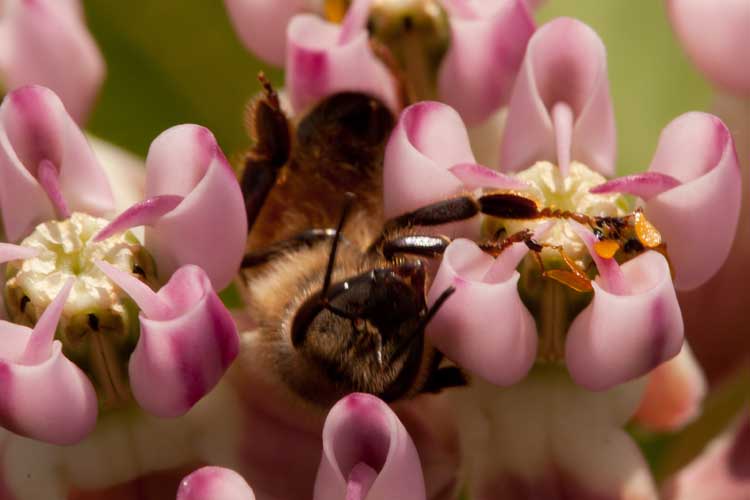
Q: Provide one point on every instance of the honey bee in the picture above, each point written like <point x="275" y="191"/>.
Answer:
<point x="337" y="292"/>
<point x="338" y="306"/>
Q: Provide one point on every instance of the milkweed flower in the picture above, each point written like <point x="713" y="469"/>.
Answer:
<point x="581" y="278"/>
<point x="720" y="472"/>
<point x="463" y="53"/>
<point x="367" y="455"/>
<point x="87" y="334"/>
<point x="715" y="37"/>
<point x="46" y="42"/>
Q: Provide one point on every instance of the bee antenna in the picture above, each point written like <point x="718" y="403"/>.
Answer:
<point x="348" y="201"/>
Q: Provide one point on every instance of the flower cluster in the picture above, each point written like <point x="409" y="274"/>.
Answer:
<point x="544" y="291"/>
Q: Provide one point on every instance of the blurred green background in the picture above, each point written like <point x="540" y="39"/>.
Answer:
<point x="177" y="61"/>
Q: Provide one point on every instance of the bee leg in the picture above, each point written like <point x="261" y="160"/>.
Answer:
<point x="305" y="239"/>
<point x="435" y="214"/>
<point x="271" y="131"/>
<point x="423" y="246"/>
<point x="445" y="378"/>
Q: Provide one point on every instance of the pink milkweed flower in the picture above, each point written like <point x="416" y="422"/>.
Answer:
<point x="693" y="185"/>
<point x="367" y="455"/>
<point x="45" y="42"/>
<point x="76" y="345"/>
<point x="559" y="142"/>
<point x="465" y="53"/>
<point x="721" y="472"/>
<point x="714" y="34"/>
<point x="548" y="437"/>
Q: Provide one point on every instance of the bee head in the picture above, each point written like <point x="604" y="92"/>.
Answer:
<point x="367" y="331"/>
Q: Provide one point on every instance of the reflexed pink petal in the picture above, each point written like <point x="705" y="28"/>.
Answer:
<point x="45" y="42"/>
<point x="645" y="185"/>
<point x="34" y="127"/>
<point x="41" y="388"/>
<point x="322" y="61"/>
<point x="428" y="139"/>
<point x="697" y="219"/>
<point x="214" y="483"/>
<point x="361" y="429"/>
<point x="674" y="394"/>
<point x="484" y="327"/>
<point x="549" y="438"/>
<point x="10" y="252"/>
<point x="208" y="228"/>
<point x="721" y="472"/>
<point x="488" y="41"/>
<point x="188" y="340"/>
<point x="262" y="24"/>
<point x="566" y="63"/>
<point x="714" y="34"/>
<point x="620" y="337"/>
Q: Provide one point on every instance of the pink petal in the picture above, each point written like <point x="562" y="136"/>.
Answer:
<point x="488" y="41"/>
<point x="361" y="429"/>
<point x="483" y="327"/>
<point x="188" y="340"/>
<point x="144" y="213"/>
<point x="323" y="59"/>
<point x="645" y="185"/>
<point x="721" y="472"/>
<point x="262" y="24"/>
<point x="620" y="337"/>
<point x="208" y="228"/>
<point x="565" y="62"/>
<point x="714" y="34"/>
<point x="674" y="394"/>
<point x="45" y="42"/>
<point x="214" y="483"/>
<point x="34" y="128"/>
<point x="475" y="176"/>
<point x="697" y="219"/>
<point x="10" y="252"/>
<point x="40" y="387"/>
<point x="428" y="140"/>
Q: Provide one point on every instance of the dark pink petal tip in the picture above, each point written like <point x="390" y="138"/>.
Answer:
<point x="645" y="185"/>
<point x="325" y="58"/>
<point x="40" y="387"/>
<point x="619" y="337"/>
<point x="362" y="435"/>
<point x="487" y="46"/>
<point x="46" y="165"/>
<point x="565" y="63"/>
<point x="214" y="483"/>
<point x="698" y="219"/>
<point x="208" y="227"/>
<point x="188" y="340"/>
<point x="484" y="327"/>
<point x="429" y="139"/>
